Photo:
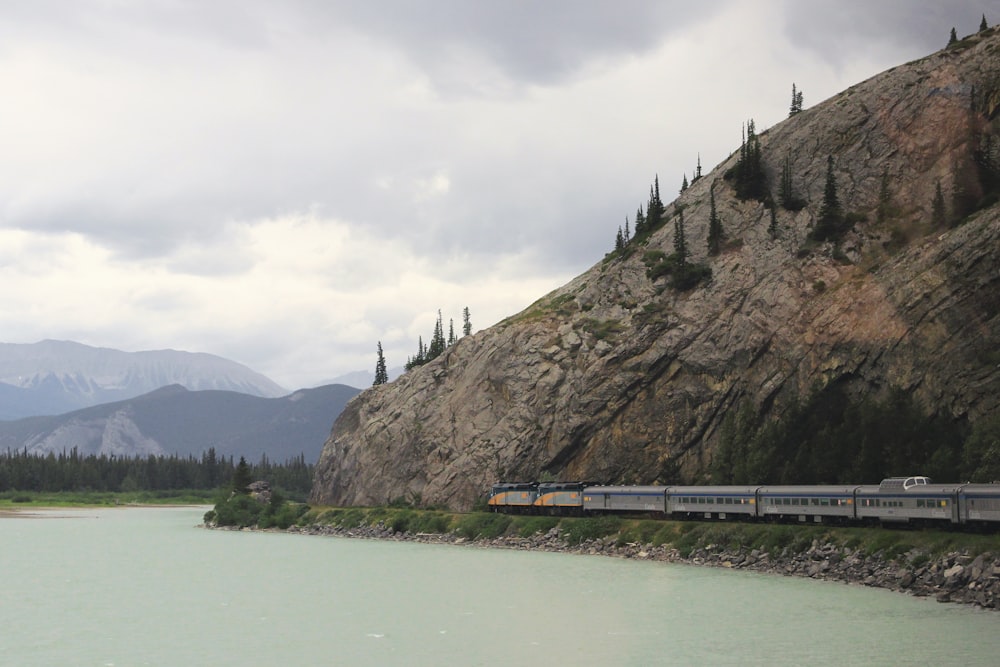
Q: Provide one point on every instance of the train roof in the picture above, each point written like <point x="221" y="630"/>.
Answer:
<point x="982" y="489"/>
<point x="916" y="490"/>
<point x="625" y="490"/>
<point x="812" y="489"/>
<point x="712" y="490"/>
<point x="903" y="483"/>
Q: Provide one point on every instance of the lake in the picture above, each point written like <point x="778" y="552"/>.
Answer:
<point x="146" y="586"/>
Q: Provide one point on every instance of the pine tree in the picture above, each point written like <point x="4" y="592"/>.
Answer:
<point x="786" y="194"/>
<point x="939" y="215"/>
<point x="451" y="332"/>
<point x="697" y="170"/>
<point x="241" y="477"/>
<point x="830" y="216"/>
<point x="620" y="240"/>
<point x="715" y="232"/>
<point x="421" y="357"/>
<point x="680" y="242"/>
<point x="785" y="189"/>
<point x="654" y="209"/>
<point x="684" y="183"/>
<point x="954" y="36"/>
<point x="751" y="182"/>
<point x="628" y="234"/>
<point x="884" y="198"/>
<point x="640" y="222"/>
<point x="381" y="374"/>
<point x="466" y="322"/>
<point x="437" y="345"/>
<point x="983" y="26"/>
<point x="796" y="105"/>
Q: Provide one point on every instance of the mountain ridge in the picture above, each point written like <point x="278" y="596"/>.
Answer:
<point x="173" y="420"/>
<point x="53" y="377"/>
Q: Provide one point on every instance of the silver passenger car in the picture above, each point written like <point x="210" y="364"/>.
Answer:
<point x="908" y="499"/>
<point x="712" y="502"/>
<point x="979" y="503"/>
<point x="624" y="499"/>
<point x="807" y="503"/>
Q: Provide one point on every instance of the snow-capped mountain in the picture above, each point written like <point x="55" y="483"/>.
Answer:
<point x="53" y="377"/>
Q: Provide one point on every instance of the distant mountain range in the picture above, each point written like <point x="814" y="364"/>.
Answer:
<point x="174" y="420"/>
<point x="54" y="377"/>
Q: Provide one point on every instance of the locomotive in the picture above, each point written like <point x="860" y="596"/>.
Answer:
<point x="896" y="500"/>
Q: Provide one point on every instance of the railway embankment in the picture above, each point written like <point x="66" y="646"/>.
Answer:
<point x="946" y="566"/>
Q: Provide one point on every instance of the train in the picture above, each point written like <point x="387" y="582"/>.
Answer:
<point x="914" y="500"/>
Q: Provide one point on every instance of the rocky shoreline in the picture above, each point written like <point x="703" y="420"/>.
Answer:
<point x="952" y="577"/>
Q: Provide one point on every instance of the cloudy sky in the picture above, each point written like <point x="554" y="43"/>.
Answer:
<point x="286" y="183"/>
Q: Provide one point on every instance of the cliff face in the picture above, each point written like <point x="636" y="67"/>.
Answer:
<point x="617" y="377"/>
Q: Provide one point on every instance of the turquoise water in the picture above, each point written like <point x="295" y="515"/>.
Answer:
<point x="128" y="587"/>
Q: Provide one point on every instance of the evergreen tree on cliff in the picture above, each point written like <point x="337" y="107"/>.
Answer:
<point x="796" y="105"/>
<point x="680" y="242"/>
<point x="466" y="322"/>
<point x="715" y="232"/>
<point x="983" y="26"/>
<point x="953" y="38"/>
<point x="830" y="214"/>
<point x="751" y="182"/>
<point x="654" y="209"/>
<point x="939" y="215"/>
<point x="437" y="345"/>
<point x="381" y="374"/>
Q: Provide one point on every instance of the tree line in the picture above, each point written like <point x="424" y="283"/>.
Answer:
<point x="831" y="437"/>
<point x="76" y="472"/>
<point x="425" y="353"/>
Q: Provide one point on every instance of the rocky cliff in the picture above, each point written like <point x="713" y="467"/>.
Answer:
<point x="619" y="377"/>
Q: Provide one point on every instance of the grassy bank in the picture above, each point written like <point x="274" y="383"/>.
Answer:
<point x="20" y="499"/>
<point x="685" y="536"/>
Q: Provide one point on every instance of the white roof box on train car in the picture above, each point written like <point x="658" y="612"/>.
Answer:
<point x="902" y="483"/>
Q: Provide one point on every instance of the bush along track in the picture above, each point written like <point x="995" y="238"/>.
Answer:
<point x="951" y="567"/>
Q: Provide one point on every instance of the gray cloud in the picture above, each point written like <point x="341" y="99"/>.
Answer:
<point x="276" y="182"/>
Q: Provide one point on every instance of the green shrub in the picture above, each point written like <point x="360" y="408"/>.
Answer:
<point x="482" y="525"/>
<point x="641" y="532"/>
<point x="240" y="510"/>
<point x="400" y="522"/>
<point x="576" y="531"/>
<point x="437" y="523"/>
<point x="532" y="525"/>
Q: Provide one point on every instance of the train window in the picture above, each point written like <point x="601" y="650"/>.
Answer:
<point x="824" y="502"/>
<point x="920" y="502"/>
<point x="720" y="501"/>
<point x="944" y="503"/>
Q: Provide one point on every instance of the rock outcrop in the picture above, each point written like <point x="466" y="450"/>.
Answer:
<point x="620" y="378"/>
